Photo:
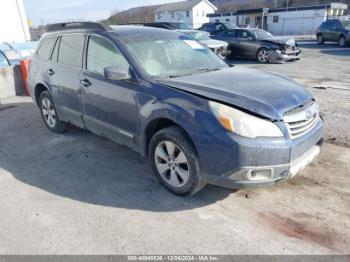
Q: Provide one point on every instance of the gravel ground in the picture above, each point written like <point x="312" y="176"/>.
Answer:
<point x="325" y="71"/>
<point x="77" y="193"/>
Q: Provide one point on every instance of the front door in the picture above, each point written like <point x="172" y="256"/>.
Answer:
<point x="110" y="107"/>
<point x="247" y="46"/>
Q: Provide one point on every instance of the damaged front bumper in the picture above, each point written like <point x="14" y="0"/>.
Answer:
<point x="278" y="56"/>
<point x="223" y="52"/>
<point x="296" y="154"/>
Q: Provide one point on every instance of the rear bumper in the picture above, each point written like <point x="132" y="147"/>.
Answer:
<point x="276" y="56"/>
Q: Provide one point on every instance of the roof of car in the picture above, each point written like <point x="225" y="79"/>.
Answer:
<point x="126" y="30"/>
<point x="119" y="30"/>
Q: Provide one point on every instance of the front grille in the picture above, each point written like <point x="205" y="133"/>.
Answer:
<point x="301" y="120"/>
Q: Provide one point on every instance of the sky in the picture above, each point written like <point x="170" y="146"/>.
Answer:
<point x="54" y="11"/>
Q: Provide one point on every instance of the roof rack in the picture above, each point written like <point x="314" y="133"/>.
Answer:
<point x="77" y="25"/>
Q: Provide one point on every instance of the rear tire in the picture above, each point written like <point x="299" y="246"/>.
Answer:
<point x="320" y="40"/>
<point x="175" y="161"/>
<point x="263" y="55"/>
<point x="49" y="114"/>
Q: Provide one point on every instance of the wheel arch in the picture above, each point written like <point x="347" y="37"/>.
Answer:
<point x="158" y="124"/>
<point x="38" y="89"/>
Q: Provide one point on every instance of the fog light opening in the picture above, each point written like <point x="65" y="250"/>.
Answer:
<point x="259" y="175"/>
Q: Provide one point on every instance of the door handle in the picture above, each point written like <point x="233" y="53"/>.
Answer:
<point x="50" y="72"/>
<point x="85" y="82"/>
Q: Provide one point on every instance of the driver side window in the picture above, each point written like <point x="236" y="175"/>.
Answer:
<point x="101" y="54"/>
<point x="243" y="35"/>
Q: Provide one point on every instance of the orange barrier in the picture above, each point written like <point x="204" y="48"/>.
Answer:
<point x="24" y="71"/>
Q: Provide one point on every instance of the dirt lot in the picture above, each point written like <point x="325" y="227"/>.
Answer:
<point x="80" y="194"/>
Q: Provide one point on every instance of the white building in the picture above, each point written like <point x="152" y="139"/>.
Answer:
<point x="283" y="21"/>
<point x="13" y="21"/>
<point x="192" y="12"/>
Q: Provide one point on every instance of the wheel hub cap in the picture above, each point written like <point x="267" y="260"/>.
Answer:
<point x="172" y="164"/>
<point x="48" y="112"/>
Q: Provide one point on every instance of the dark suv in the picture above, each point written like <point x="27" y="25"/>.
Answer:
<point x="215" y="28"/>
<point x="167" y="97"/>
<point x="334" y="30"/>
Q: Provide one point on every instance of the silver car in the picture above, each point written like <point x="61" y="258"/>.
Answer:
<point x="218" y="47"/>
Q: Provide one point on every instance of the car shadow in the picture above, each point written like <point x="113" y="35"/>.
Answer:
<point x="83" y="167"/>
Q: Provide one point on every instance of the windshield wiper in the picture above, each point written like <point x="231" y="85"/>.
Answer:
<point x="196" y="71"/>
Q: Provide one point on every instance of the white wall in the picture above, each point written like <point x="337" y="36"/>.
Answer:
<point x="197" y="16"/>
<point x="13" y="22"/>
<point x="200" y="13"/>
<point x="179" y="16"/>
<point x="230" y="19"/>
<point x="297" y="22"/>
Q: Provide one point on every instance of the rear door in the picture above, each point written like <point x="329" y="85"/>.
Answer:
<point x="335" y="31"/>
<point x="231" y="38"/>
<point x="68" y="55"/>
<point x="110" y="105"/>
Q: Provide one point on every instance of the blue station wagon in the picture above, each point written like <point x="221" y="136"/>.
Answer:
<point x="161" y="93"/>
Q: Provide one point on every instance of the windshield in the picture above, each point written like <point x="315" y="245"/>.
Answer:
<point x="261" y="34"/>
<point x="181" y="26"/>
<point x="346" y="24"/>
<point x="230" y="26"/>
<point x="199" y="36"/>
<point x="171" y="55"/>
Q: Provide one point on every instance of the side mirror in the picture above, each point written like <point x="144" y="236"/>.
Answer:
<point x="117" y="73"/>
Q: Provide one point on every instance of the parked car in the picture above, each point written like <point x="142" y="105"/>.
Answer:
<point x="15" y="52"/>
<point x="218" y="47"/>
<point x="334" y="30"/>
<point x="217" y="27"/>
<point x="4" y="62"/>
<point x="170" y="25"/>
<point x="260" y="45"/>
<point x="167" y="97"/>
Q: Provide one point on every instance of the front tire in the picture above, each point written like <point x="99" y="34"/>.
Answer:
<point x="263" y="56"/>
<point x="175" y="161"/>
<point x="49" y="114"/>
<point x="342" y="41"/>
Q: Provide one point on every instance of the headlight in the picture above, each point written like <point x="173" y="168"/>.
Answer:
<point x="242" y="123"/>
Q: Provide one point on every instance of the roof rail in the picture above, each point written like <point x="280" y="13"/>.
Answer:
<point x="77" y="25"/>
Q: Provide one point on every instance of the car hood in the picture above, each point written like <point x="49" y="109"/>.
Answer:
<point x="281" y="40"/>
<point x="212" y="43"/>
<point x="264" y="93"/>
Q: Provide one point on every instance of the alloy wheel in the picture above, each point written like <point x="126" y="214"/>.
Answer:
<point x="172" y="164"/>
<point x="342" y="41"/>
<point x="48" y="112"/>
<point x="263" y="56"/>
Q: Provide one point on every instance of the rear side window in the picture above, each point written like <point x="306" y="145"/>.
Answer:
<point x="71" y="50"/>
<point x="232" y="34"/>
<point x="101" y="54"/>
<point x="45" y="48"/>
